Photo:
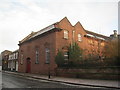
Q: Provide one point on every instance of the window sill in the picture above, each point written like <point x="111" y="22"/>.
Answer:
<point x="65" y="38"/>
<point x="79" y="41"/>
<point x="36" y="63"/>
<point x="47" y="63"/>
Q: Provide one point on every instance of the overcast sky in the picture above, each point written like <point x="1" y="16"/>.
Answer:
<point x="19" y="17"/>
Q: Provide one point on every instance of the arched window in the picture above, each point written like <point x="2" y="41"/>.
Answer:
<point x="47" y="57"/>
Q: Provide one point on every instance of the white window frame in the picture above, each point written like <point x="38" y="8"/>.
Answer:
<point x="79" y="37"/>
<point x="37" y="56"/>
<point x="66" y="34"/>
<point x="73" y="34"/>
<point x="9" y="57"/>
<point x="66" y="56"/>
<point x="47" y="57"/>
<point x="16" y="55"/>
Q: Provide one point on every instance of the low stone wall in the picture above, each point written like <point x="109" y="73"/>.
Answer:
<point x="89" y="73"/>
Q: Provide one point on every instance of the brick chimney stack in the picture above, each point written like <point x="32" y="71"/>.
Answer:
<point x="115" y="33"/>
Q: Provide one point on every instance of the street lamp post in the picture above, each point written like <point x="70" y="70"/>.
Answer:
<point x="49" y="71"/>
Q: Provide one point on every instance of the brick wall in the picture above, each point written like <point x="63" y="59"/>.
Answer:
<point x="84" y="44"/>
<point x="29" y="49"/>
<point x="56" y="41"/>
<point x="89" y="73"/>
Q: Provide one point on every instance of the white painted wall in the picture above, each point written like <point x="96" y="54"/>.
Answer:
<point x="0" y="68"/>
<point x="16" y="65"/>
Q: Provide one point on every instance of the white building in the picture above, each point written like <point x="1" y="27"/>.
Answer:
<point x="13" y="61"/>
<point x="0" y="62"/>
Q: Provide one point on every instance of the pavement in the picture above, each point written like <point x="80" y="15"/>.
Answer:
<point x="22" y="82"/>
<point x="0" y="80"/>
<point x="75" y="81"/>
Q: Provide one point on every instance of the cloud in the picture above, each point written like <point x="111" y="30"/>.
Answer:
<point x="19" y="17"/>
<point x="94" y="16"/>
<point x="18" y="22"/>
<point x="100" y="16"/>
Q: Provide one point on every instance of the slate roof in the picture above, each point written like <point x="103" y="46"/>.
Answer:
<point x="27" y="37"/>
<point x="52" y="26"/>
<point x="46" y="29"/>
<point x="34" y="34"/>
<point x="96" y="34"/>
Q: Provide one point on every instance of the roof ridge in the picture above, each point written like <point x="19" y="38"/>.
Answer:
<point x="67" y="20"/>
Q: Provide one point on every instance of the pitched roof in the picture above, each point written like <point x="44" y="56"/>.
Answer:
<point x="96" y="34"/>
<point x="35" y="34"/>
<point x="46" y="29"/>
<point x="5" y="52"/>
<point x="78" y="23"/>
<point x="65" y="19"/>
<point x="52" y="26"/>
<point x="27" y="37"/>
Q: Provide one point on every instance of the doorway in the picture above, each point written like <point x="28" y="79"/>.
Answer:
<point x="28" y="65"/>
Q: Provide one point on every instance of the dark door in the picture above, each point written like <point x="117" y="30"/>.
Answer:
<point x="28" y="66"/>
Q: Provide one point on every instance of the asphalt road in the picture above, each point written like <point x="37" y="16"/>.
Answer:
<point x="16" y="81"/>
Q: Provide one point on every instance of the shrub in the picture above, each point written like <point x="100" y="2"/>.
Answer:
<point x="59" y="59"/>
<point x="75" y="53"/>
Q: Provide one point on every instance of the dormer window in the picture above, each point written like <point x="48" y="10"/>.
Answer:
<point x="79" y="37"/>
<point x="65" y="34"/>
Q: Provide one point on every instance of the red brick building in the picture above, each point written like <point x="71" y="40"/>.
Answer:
<point x="5" y="57"/>
<point x="37" y="51"/>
